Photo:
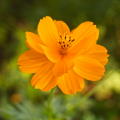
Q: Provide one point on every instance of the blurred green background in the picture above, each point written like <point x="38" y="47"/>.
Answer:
<point x="18" y="99"/>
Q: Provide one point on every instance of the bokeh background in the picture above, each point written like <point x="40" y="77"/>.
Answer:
<point x="19" y="100"/>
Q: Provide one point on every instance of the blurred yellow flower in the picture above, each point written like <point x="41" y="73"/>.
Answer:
<point x="60" y="57"/>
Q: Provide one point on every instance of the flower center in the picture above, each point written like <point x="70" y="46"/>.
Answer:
<point x="65" y="42"/>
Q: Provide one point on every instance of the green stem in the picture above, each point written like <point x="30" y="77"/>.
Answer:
<point x="48" y="101"/>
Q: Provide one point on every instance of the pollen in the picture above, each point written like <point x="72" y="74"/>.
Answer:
<point x="65" y="42"/>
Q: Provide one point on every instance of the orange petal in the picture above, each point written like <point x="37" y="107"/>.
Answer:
<point x="90" y="44"/>
<point x="34" y="41"/>
<point x="43" y="78"/>
<point x="86" y="42"/>
<point x="71" y="83"/>
<point x="72" y="31"/>
<point x="28" y="45"/>
<point x="99" y="53"/>
<point x="62" y="27"/>
<point x="48" y="32"/>
<point x="51" y="54"/>
<point x="30" y="61"/>
<point x="52" y="83"/>
<point x="62" y="66"/>
<point x="83" y="30"/>
<point x="72" y="55"/>
<point x="88" y="68"/>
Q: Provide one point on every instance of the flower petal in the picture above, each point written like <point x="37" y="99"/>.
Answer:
<point x="48" y="32"/>
<point x="72" y="55"/>
<point x="30" y="61"/>
<point x="83" y="30"/>
<point x="52" y="83"/>
<point x="86" y="42"/>
<point x="71" y="83"/>
<point x="28" y="45"/>
<point x="62" y="27"/>
<point x="62" y="66"/>
<point x="43" y="78"/>
<point x="53" y="55"/>
<point x="88" y="68"/>
<point x="34" y="41"/>
<point x="98" y="53"/>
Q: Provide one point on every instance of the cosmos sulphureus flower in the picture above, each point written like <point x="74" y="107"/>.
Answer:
<point x="60" y="57"/>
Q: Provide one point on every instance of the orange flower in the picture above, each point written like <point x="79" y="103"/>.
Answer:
<point x="60" y="57"/>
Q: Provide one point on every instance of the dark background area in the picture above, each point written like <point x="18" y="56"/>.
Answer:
<point x="18" y="99"/>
